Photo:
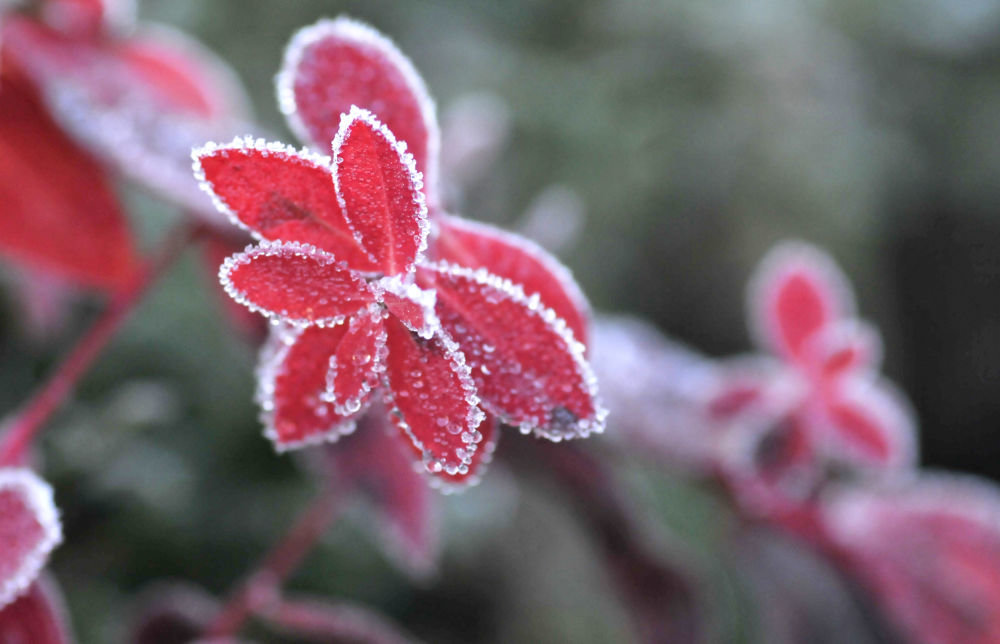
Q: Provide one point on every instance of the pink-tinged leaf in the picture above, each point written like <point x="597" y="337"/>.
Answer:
<point x="459" y="481"/>
<point x="336" y="64"/>
<point x="843" y="347"/>
<point x="433" y="398"/>
<point x="929" y="552"/>
<point x="36" y="617"/>
<point x="379" y="463"/>
<point x="89" y="18"/>
<point x="871" y="424"/>
<point x="477" y="245"/>
<point x="29" y="530"/>
<point x="413" y="305"/>
<point x="59" y="211"/>
<point x="360" y="358"/>
<point x="796" y="291"/>
<point x="379" y="191"/>
<point x="291" y="380"/>
<point x="277" y="193"/>
<point x="216" y="248"/>
<point x="296" y="283"/>
<point x="528" y="368"/>
<point x="321" y="620"/>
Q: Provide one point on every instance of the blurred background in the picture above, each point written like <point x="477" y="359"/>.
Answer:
<point x="660" y="147"/>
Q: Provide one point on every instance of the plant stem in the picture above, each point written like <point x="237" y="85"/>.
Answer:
<point x="32" y="417"/>
<point x="261" y="585"/>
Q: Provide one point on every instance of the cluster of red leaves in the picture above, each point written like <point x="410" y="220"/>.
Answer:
<point x="378" y="297"/>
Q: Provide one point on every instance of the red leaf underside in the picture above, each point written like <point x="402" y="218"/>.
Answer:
<point x="59" y="212"/>
<point x="333" y="66"/>
<point x="355" y="367"/>
<point x="477" y="245"/>
<point x="526" y="371"/>
<point x="380" y="194"/>
<point x="292" y="376"/>
<point x="280" y="194"/>
<point x="433" y="397"/>
<point x="296" y="283"/>
<point x="36" y="617"/>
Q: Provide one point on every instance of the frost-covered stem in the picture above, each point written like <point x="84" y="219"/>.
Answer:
<point x="32" y="417"/>
<point x="659" y="596"/>
<point x="261" y="585"/>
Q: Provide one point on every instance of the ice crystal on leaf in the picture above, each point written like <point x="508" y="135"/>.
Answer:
<point x="822" y="400"/>
<point x="362" y="316"/>
<point x="929" y="551"/>
<point x="29" y="530"/>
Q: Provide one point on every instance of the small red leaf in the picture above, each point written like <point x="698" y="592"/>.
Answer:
<point x="433" y="398"/>
<point x="379" y="191"/>
<point x="59" y="211"/>
<point x="291" y="379"/>
<point x="527" y="367"/>
<point x="355" y="367"/>
<point x="842" y="347"/>
<point x="36" y="617"/>
<point x="477" y="245"/>
<point x="411" y="304"/>
<point x="871" y="424"/>
<point x="29" y="530"/>
<point x="277" y="193"/>
<point x="296" y="283"/>
<point x="929" y="553"/>
<point x="796" y="291"/>
<point x="336" y="64"/>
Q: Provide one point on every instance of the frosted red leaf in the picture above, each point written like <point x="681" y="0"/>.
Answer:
<point x="842" y="347"/>
<point x="357" y="363"/>
<point x="871" y="423"/>
<point x="296" y="283"/>
<point x="335" y="64"/>
<point x="528" y="368"/>
<point x="59" y="212"/>
<point x="36" y="617"/>
<point x="412" y="305"/>
<point x="29" y="530"/>
<point x="291" y="380"/>
<point x="379" y="191"/>
<point x="277" y="193"/>
<point x="929" y="552"/>
<point x="490" y="431"/>
<point x="433" y="398"/>
<point x="796" y="291"/>
<point x="477" y="245"/>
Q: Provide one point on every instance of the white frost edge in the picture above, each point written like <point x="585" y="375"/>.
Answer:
<point x="272" y="356"/>
<point x="279" y="249"/>
<point x="425" y="299"/>
<point x="535" y="307"/>
<point x="471" y="437"/>
<point x="560" y="271"/>
<point x="450" y="487"/>
<point x="364" y="35"/>
<point x="353" y="405"/>
<point x="244" y="145"/>
<point x="38" y="497"/>
<point x="782" y="259"/>
<point x="416" y="179"/>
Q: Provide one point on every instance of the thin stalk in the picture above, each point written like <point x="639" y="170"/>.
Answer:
<point x="261" y="586"/>
<point x="60" y="385"/>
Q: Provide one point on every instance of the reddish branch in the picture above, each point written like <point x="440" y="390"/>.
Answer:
<point x="23" y="428"/>
<point x="261" y="587"/>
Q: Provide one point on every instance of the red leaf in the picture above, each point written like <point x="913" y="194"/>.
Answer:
<point x="477" y="245"/>
<point x="277" y="193"/>
<point x="796" y="291"/>
<point x="355" y="367"/>
<point x="527" y="367"/>
<point x="296" y="283"/>
<point x="842" y="347"/>
<point x="930" y="554"/>
<point x="334" y="65"/>
<point x="59" y="212"/>
<point x="36" y="617"/>
<point x="291" y="379"/>
<point x="379" y="191"/>
<point x="871" y="424"/>
<point x="411" y="304"/>
<point x="433" y="398"/>
<point x="29" y="530"/>
<point x="490" y="430"/>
